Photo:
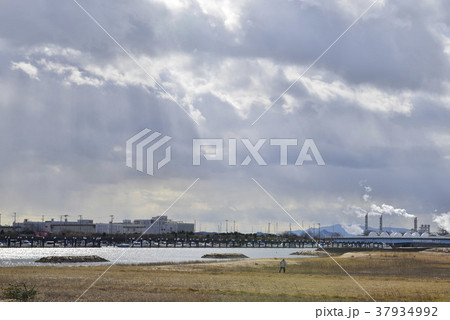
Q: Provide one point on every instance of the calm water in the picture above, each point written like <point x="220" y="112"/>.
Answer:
<point x="11" y="257"/>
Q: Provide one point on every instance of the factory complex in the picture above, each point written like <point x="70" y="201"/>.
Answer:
<point x="155" y="225"/>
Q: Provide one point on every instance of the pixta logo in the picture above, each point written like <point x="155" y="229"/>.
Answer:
<point x="141" y="149"/>
<point x="213" y="149"/>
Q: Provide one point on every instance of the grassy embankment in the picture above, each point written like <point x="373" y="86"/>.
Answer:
<point x="387" y="276"/>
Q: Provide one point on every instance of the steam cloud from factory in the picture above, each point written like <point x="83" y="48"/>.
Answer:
<point x="367" y="197"/>
<point x="376" y="210"/>
<point x="359" y="212"/>
<point x="390" y="210"/>
<point x="443" y="221"/>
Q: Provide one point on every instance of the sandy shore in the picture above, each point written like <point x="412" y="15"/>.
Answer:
<point x="387" y="276"/>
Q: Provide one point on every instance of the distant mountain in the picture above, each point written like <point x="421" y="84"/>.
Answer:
<point x="326" y="231"/>
<point x="343" y="230"/>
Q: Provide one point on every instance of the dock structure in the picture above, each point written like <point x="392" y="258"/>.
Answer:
<point x="160" y="241"/>
<point x="224" y="242"/>
<point x="394" y="242"/>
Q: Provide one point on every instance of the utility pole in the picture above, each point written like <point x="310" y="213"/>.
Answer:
<point x="14" y="224"/>
<point x="268" y="229"/>
<point x="226" y="226"/>
<point x="81" y="217"/>
<point x="111" y="223"/>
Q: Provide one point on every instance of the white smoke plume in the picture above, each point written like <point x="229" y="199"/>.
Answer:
<point x="443" y="221"/>
<point x="360" y="212"/>
<point x="367" y="197"/>
<point x="390" y="210"/>
<point x="353" y="229"/>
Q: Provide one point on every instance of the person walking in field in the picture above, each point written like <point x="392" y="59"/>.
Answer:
<point x="282" y="266"/>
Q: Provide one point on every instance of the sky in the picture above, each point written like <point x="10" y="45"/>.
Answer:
<point x="376" y="104"/>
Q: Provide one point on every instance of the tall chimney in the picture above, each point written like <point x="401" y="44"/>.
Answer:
<point x="381" y="223"/>
<point x="366" y="223"/>
<point x="415" y="224"/>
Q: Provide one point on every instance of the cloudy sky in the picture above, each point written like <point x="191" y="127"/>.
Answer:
<point x="377" y="105"/>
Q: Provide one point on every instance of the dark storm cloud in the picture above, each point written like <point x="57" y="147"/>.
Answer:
<point x="375" y="105"/>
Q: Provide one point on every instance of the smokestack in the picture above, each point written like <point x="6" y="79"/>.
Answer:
<point x="381" y="223"/>
<point x="415" y="224"/>
<point x="366" y="223"/>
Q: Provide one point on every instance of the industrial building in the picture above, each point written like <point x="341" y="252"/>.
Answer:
<point x="27" y="226"/>
<point x="68" y="227"/>
<point x="5" y="229"/>
<point x="423" y="231"/>
<point x="155" y="225"/>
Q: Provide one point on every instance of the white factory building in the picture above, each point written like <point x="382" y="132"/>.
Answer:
<point x="155" y="225"/>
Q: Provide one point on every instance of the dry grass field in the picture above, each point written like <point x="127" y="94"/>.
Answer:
<point x="387" y="276"/>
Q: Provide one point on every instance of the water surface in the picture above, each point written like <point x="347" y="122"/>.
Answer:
<point x="12" y="257"/>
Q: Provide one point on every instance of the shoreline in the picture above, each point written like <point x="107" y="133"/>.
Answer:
<point x="315" y="253"/>
<point x="388" y="276"/>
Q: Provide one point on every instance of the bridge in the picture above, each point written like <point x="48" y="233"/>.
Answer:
<point x="377" y="241"/>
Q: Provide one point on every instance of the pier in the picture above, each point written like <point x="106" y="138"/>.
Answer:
<point x="222" y="241"/>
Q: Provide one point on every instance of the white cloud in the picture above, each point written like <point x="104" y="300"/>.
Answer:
<point x="26" y="67"/>
<point x="71" y="74"/>
<point x="366" y="96"/>
<point x="228" y="11"/>
<point x="51" y="50"/>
